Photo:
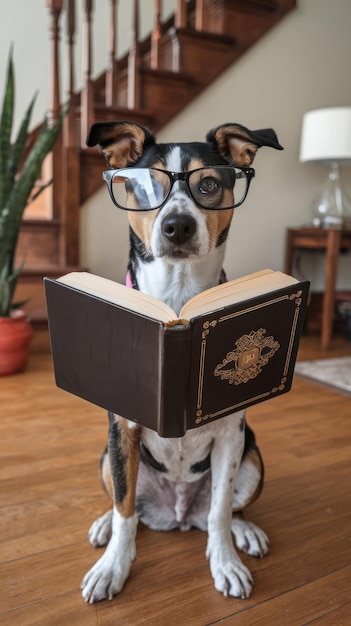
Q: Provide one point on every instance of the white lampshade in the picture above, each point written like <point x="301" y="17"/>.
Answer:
<point x="326" y="136"/>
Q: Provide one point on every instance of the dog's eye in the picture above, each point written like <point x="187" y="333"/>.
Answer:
<point x="208" y="185"/>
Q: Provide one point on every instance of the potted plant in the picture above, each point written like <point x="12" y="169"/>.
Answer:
<point x="19" y="170"/>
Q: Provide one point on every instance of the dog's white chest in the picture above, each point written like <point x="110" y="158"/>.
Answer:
<point x="175" y="284"/>
<point x="180" y="456"/>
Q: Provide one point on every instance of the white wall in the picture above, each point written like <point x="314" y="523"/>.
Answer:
<point x="24" y="25"/>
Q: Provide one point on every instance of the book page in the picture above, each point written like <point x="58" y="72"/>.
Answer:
<point x="217" y="297"/>
<point x="222" y="289"/>
<point x="235" y="291"/>
<point x="119" y="294"/>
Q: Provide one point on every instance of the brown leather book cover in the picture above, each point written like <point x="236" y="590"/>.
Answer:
<point x="171" y="378"/>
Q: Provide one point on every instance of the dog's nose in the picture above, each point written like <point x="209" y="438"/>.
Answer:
<point x="178" y="228"/>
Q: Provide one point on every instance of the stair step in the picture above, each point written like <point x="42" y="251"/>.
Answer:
<point x="167" y="93"/>
<point x="39" y="242"/>
<point x="30" y="289"/>
<point x="195" y="59"/>
<point x="255" y="6"/>
<point x="110" y="114"/>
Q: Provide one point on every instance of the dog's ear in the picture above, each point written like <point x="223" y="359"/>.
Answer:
<point x="121" y="143"/>
<point x="238" y="144"/>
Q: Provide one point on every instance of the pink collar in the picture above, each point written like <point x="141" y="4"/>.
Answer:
<point x="129" y="280"/>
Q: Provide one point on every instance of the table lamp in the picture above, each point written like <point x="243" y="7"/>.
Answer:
<point x="326" y="139"/>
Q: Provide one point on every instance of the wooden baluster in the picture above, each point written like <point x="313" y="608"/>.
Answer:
<point x="181" y="18"/>
<point x="111" y="89"/>
<point x="200" y="15"/>
<point x="133" y="97"/>
<point x="87" y="111"/>
<point x="55" y="8"/>
<point x="156" y="36"/>
<point x="53" y="162"/>
<point x="69" y="242"/>
<point x="69" y="121"/>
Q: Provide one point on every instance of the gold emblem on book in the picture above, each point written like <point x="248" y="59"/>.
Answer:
<point x="251" y="354"/>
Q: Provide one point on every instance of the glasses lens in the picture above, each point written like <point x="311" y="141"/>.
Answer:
<point x="140" y="189"/>
<point x="218" y="187"/>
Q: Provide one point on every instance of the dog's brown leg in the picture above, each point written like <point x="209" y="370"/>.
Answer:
<point x="123" y="456"/>
<point x="119" y="474"/>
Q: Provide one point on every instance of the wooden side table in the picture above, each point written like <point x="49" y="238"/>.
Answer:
<point x="331" y="241"/>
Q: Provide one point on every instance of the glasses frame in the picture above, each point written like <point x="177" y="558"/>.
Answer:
<point x="249" y="172"/>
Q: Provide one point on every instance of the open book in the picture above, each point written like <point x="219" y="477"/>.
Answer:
<point x="230" y="347"/>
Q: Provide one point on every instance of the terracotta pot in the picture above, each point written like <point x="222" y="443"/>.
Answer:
<point x="15" y="336"/>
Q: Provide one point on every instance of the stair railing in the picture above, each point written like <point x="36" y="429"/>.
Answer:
<point x="122" y="81"/>
<point x="66" y="157"/>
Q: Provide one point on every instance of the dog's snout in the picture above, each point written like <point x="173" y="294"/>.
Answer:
<point x="178" y="228"/>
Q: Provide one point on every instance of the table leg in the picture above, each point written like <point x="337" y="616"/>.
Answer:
<point x="289" y="253"/>
<point x="331" y="265"/>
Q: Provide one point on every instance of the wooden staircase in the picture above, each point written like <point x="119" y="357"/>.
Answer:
<point x="158" y="77"/>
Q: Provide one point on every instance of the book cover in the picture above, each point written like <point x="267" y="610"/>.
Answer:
<point x="177" y="376"/>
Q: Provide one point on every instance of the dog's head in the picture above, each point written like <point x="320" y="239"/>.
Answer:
<point x="180" y="197"/>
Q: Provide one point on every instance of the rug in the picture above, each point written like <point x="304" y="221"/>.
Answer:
<point x="334" y="373"/>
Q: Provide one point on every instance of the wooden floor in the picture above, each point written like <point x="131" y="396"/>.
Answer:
<point x="50" y="493"/>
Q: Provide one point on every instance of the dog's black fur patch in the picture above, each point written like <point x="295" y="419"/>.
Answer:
<point x="201" y="466"/>
<point x="146" y="457"/>
<point x="117" y="460"/>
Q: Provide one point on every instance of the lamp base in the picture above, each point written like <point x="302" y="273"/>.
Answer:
<point x="324" y="222"/>
<point x="332" y="208"/>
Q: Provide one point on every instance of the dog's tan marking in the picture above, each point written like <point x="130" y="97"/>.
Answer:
<point x="217" y="222"/>
<point x="106" y="476"/>
<point x="130" y="443"/>
<point x="142" y="223"/>
<point x="125" y="145"/>
<point x="130" y="449"/>
<point x="233" y="142"/>
<point x="158" y="165"/>
<point x="196" y="164"/>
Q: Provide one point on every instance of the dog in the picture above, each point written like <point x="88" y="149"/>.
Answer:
<point x="178" y="234"/>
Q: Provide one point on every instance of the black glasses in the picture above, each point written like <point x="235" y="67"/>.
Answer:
<point x="144" y="189"/>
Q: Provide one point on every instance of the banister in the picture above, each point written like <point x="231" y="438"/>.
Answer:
<point x="133" y="98"/>
<point x="111" y="85"/>
<point x="87" y="114"/>
<point x="156" y="36"/>
<point x="55" y="8"/>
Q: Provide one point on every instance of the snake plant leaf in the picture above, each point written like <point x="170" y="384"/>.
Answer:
<point x="6" y="128"/>
<point x="7" y="290"/>
<point x="18" y="174"/>
<point x="31" y="169"/>
<point x="5" y="297"/>
<point x="16" y="153"/>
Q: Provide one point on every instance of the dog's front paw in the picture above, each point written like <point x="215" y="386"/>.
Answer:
<point x="100" y="531"/>
<point x="106" y="578"/>
<point x="250" y="538"/>
<point x="110" y="572"/>
<point x="231" y="577"/>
